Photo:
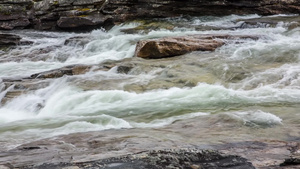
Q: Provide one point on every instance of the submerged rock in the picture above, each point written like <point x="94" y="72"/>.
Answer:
<point x="174" y="46"/>
<point x="77" y="40"/>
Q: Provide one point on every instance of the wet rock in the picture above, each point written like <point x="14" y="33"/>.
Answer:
<point x="174" y="46"/>
<point x="78" y="41"/>
<point x="9" y="39"/>
<point x="291" y="162"/>
<point x="148" y="25"/>
<point x="124" y="68"/>
<point x="68" y="70"/>
<point x="290" y="22"/>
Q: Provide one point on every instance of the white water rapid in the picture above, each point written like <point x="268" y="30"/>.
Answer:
<point x="256" y="82"/>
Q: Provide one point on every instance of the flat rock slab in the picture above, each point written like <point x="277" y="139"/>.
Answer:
<point x="182" y="158"/>
<point x="175" y="46"/>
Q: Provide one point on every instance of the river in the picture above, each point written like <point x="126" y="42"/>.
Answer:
<point x="248" y="89"/>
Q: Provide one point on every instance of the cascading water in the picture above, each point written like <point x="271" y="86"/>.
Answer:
<point x="251" y="81"/>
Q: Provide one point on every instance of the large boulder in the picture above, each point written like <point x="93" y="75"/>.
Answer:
<point x="174" y="46"/>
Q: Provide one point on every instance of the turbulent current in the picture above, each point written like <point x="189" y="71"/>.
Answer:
<point x="251" y="87"/>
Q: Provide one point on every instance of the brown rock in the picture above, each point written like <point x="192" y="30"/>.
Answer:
<point x="68" y="70"/>
<point x="174" y="46"/>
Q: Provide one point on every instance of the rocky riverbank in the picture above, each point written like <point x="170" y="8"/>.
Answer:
<point x="191" y="101"/>
<point x="83" y="15"/>
<point x="144" y="148"/>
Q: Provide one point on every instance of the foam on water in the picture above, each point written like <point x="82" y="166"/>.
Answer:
<point x="65" y="101"/>
<point x="62" y="108"/>
<point x="167" y="121"/>
<point x="257" y="118"/>
<point x="225" y="22"/>
<point x="113" y="45"/>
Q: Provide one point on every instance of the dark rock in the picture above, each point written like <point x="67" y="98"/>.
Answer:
<point x="263" y="22"/>
<point x="291" y="161"/>
<point x="183" y="158"/>
<point x="70" y="15"/>
<point x="78" y="40"/>
<point x="9" y="39"/>
<point x="174" y="46"/>
<point x="128" y="9"/>
<point x="15" y="14"/>
<point x="83" y="22"/>
<point x="55" y="14"/>
<point x="68" y="70"/>
<point x="124" y="68"/>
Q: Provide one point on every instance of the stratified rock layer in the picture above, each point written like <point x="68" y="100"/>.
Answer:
<point x="88" y="14"/>
<point x="125" y="9"/>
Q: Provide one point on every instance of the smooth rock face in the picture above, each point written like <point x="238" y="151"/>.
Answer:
<point x="175" y="46"/>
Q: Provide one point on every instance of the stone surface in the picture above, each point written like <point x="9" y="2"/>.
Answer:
<point x="82" y="21"/>
<point x="175" y="46"/>
<point x="78" y="41"/>
<point x="56" y="14"/>
<point x="69" y="14"/>
<point x="111" y="147"/>
<point x="9" y="39"/>
<point x="182" y="158"/>
<point x="128" y="9"/>
<point x="15" y="14"/>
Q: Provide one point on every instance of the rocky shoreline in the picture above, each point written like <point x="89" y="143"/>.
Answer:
<point x="144" y="148"/>
<point x="172" y="146"/>
<point x="80" y="15"/>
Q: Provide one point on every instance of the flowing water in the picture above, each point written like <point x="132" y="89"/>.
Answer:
<point x="254" y="84"/>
